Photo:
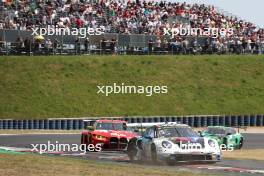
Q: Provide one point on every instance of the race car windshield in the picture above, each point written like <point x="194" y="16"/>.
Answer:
<point x="178" y="132"/>
<point x="186" y="132"/>
<point x="215" y="131"/>
<point x="110" y="126"/>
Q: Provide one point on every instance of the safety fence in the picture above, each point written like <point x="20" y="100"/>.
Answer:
<point x="139" y="40"/>
<point x="20" y="42"/>
<point x="10" y="44"/>
<point x="194" y="121"/>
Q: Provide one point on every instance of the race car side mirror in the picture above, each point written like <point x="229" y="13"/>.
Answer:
<point x="90" y="128"/>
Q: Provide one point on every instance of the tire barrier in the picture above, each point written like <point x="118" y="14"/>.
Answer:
<point x="194" y="121"/>
<point x="259" y="121"/>
<point x="1" y="124"/>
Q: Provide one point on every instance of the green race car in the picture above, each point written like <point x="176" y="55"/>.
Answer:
<point x="224" y="135"/>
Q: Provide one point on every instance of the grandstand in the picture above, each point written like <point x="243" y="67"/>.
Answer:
<point x="131" y="27"/>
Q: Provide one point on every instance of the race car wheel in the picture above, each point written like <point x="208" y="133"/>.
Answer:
<point x="153" y="153"/>
<point x="170" y="162"/>
<point x="84" y="140"/>
<point x="132" y="150"/>
<point x="225" y="141"/>
<point x="240" y="143"/>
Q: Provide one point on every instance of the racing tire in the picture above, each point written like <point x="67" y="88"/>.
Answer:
<point x="86" y="142"/>
<point x="132" y="150"/>
<point x="241" y="142"/>
<point x="170" y="162"/>
<point x="82" y="138"/>
<point x="153" y="153"/>
<point x="225" y="141"/>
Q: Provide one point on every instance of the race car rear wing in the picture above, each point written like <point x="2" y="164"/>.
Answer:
<point x="146" y="125"/>
<point x="141" y="127"/>
<point x="240" y="127"/>
<point x="90" y="122"/>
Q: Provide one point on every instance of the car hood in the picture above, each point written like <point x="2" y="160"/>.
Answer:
<point x="115" y="133"/>
<point x="184" y="140"/>
<point x="213" y="135"/>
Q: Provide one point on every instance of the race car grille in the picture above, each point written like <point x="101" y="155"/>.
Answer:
<point x="123" y="143"/>
<point x="184" y="157"/>
<point x="116" y="143"/>
<point x="201" y="141"/>
<point x="191" y="144"/>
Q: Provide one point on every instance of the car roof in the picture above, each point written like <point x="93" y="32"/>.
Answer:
<point x="110" y="121"/>
<point x="173" y="125"/>
<point x="221" y="127"/>
<point x="217" y="127"/>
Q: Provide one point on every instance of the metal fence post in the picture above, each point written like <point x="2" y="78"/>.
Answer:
<point x="62" y="43"/>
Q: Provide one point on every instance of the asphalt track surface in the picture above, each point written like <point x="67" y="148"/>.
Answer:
<point x="252" y="141"/>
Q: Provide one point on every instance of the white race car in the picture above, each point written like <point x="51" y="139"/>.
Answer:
<point x="172" y="142"/>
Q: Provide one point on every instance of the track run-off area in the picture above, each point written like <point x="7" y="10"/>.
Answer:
<point x="22" y="142"/>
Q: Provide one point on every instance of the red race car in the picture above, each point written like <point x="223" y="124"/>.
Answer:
<point x="112" y="134"/>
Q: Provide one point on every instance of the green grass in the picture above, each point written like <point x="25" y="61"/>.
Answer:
<point x="66" y="86"/>
<point x="32" y="165"/>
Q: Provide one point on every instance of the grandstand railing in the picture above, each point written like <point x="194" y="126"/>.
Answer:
<point x="125" y="44"/>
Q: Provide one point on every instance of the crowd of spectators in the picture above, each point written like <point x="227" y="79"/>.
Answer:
<point x="131" y="17"/>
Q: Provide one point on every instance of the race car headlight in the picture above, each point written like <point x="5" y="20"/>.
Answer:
<point x="100" y="137"/>
<point x="166" y="144"/>
<point x="211" y="143"/>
